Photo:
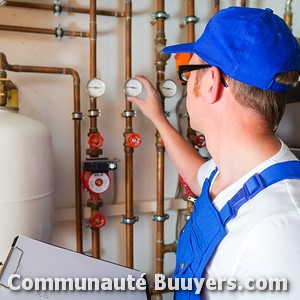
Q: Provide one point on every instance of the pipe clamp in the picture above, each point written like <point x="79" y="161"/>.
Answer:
<point x="162" y="218"/>
<point x="129" y="221"/>
<point x="59" y="32"/>
<point x="77" y="115"/>
<point x="190" y="19"/>
<point x="160" y="14"/>
<point x="129" y="113"/>
<point x="94" y="113"/>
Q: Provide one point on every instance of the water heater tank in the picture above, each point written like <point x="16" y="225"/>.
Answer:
<point x="26" y="179"/>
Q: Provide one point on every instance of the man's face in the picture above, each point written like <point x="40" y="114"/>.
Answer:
<point x="194" y="94"/>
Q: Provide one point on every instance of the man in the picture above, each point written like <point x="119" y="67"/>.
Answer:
<point x="246" y="222"/>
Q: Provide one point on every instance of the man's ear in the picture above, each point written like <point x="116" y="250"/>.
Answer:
<point x="216" y="85"/>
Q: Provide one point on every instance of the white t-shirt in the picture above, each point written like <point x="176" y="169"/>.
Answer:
<point x="263" y="240"/>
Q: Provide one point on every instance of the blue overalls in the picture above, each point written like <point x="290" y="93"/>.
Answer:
<point x="206" y="227"/>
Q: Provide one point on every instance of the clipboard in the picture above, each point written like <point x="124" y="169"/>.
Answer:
<point x="30" y="258"/>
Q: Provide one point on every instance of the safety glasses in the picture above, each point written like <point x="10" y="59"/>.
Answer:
<point x="184" y="72"/>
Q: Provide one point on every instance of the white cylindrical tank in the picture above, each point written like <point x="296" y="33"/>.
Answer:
<point x="26" y="179"/>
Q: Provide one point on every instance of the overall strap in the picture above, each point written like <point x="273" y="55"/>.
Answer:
<point x="257" y="183"/>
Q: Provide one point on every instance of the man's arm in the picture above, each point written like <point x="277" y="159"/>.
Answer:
<point x="185" y="158"/>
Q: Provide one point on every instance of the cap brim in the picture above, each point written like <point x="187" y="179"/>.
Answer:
<point x="180" y="48"/>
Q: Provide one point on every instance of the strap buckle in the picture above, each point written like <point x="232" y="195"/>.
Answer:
<point x="253" y="186"/>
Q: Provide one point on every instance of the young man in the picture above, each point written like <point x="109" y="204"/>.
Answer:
<point x="245" y="228"/>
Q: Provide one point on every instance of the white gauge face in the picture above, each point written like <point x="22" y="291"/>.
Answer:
<point x="168" y="88"/>
<point x="133" y="87"/>
<point x="99" y="182"/>
<point x="95" y="87"/>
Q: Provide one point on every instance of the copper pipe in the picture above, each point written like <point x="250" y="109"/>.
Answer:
<point x="170" y="247"/>
<point x="93" y="61"/>
<point x="63" y="8"/>
<point x="160" y="63"/>
<point x="128" y="150"/>
<point x="217" y="6"/>
<point x="42" y="31"/>
<point x="243" y="3"/>
<point x="288" y="14"/>
<point x="77" y="116"/>
<point x="191" y="25"/>
<point x="191" y="38"/>
<point x="93" y="119"/>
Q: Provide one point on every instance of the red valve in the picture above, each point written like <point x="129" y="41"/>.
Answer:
<point x="199" y="141"/>
<point x="187" y="189"/>
<point x="95" y="140"/>
<point x="97" y="220"/>
<point x="133" y="140"/>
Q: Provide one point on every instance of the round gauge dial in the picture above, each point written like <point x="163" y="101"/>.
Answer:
<point x="168" y="88"/>
<point x="133" y="87"/>
<point x="95" y="87"/>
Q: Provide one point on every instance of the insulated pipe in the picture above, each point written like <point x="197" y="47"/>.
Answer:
<point x="77" y="117"/>
<point x="63" y="8"/>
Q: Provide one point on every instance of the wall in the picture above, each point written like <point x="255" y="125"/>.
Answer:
<point x="49" y="98"/>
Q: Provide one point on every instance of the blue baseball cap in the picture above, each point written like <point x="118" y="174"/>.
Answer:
<point x="251" y="45"/>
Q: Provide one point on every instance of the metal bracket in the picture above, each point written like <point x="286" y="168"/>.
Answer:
<point x="59" y="32"/>
<point x="160" y="14"/>
<point x="77" y="116"/>
<point x="129" y="113"/>
<point x="129" y="221"/>
<point x="190" y="19"/>
<point x="57" y="8"/>
<point x="94" y="113"/>
<point x="158" y="218"/>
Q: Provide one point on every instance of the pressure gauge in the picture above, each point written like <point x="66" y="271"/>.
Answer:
<point x="168" y="88"/>
<point x="95" y="87"/>
<point x="133" y="87"/>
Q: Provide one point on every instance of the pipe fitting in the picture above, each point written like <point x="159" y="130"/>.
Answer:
<point x="161" y="57"/>
<point x="3" y="62"/>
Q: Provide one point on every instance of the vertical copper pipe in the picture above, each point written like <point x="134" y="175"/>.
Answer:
<point x="191" y="38"/>
<point x="128" y="150"/>
<point x="243" y="3"/>
<point x="77" y="116"/>
<point x="160" y="42"/>
<point x="217" y="6"/>
<point x="191" y="25"/>
<point x="93" y="107"/>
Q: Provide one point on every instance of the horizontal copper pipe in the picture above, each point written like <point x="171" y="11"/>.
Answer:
<point x="42" y="31"/>
<point x="170" y="247"/>
<point x="64" y="8"/>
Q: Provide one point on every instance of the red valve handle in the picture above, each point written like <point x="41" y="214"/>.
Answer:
<point x="199" y="141"/>
<point x="133" y="140"/>
<point x="95" y="140"/>
<point x="187" y="189"/>
<point x="97" y="220"/>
